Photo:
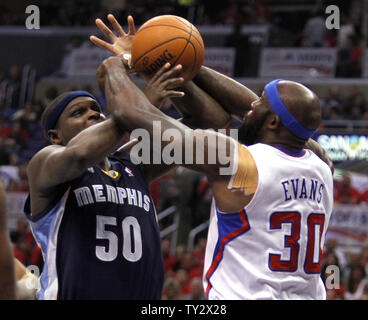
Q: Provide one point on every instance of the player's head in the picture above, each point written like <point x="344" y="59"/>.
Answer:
<point x="287" y="112"/>
<point x="68" y="114"/>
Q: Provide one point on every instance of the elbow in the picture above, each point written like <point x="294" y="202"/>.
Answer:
<point x="81" y="157"/>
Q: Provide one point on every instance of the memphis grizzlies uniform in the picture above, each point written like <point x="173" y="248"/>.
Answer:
<point x="101" y="240"/>
<point x="271" y="249"/>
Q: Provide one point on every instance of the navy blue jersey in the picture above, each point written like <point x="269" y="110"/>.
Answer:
<point x="100" y="240"/>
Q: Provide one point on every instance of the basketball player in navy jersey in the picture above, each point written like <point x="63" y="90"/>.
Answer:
<point x="89" y="205"/>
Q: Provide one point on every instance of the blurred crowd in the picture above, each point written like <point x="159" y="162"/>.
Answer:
<point x="348" y="103"/>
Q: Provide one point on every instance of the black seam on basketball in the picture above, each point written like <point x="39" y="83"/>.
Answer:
<point x="155" y="47"/>
<point x="195" y="57"/>
<point x="176" y="18"/>
<point x="187" y="25"/>
<point x="168" y="25"/>
<point x="188" y="40"/>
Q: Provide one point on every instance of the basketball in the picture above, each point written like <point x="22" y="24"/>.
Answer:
<point x="168" y="38"/>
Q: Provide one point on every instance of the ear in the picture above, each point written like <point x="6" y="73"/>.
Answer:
<point x="273" y="121"/>
<point x="54" y="136"/>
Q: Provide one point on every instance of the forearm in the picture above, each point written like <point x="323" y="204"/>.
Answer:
<point x="199" y="109"/>
<point x="230" y="94"/>
<point x="201" y="150"/>
<point x="57" y="164"/>
<point x="128" y="105"/>
<point x="93" y="144"/>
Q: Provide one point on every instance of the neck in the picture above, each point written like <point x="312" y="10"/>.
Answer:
<point x="285" y="140"/>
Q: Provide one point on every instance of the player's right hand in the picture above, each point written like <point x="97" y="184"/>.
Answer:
<point x="121" y="44"/>
<point x="159" y="87"/>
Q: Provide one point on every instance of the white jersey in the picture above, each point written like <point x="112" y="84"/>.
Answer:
<point x="271" y="249"/>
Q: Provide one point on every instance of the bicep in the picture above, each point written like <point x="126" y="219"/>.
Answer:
<point x="52" y="166"/>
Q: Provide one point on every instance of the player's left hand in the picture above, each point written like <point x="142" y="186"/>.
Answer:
<point x="121" y="44"/>
<point x="159" y="87"/>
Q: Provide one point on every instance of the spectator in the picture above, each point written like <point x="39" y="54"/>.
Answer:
<point x="26" y="115"/>
<point x="331" y="246"/>
<point x="331" y="294"/>
<point x="172" y="290"/>
<point x="346" y="29"/>
<point x="331" y="102"/>
<point x="201" y="201"/>
<point x="168" y="258"/>
<point x="234" y="13"/>
<point x="5" y="128"/>
<point x="344" y="192"/>
<point x="199" y="252"/>
<point x="170" y="192"/>
<point x="356" y="283"/>
<point x="179" y="254"/>
<point x="332" y="274"/>
<point x="348" y="59"/>
<point x="14" y="86"/>
<point x="196" y="290"/>
<point x="182" y="277"/>
<point x="364" y="295"/>
<point x="364" y="258"/>
<point x="314" y="33"/>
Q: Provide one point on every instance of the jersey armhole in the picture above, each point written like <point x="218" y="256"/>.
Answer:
<point x="44" y="212"/>
<point x="246" y="176"/>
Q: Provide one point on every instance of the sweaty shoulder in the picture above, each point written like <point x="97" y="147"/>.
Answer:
<point x="35" y="165"/>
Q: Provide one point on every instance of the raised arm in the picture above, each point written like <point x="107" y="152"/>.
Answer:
<point x="57" y="164"/>
<point x="206" y="151"/>
<point x="199" y="109"/>
<point x="234" y="97"/>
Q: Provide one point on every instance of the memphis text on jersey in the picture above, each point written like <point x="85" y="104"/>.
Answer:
<point x="107" y="193"/>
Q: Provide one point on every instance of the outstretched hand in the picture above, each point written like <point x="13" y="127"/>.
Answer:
<point x="159" y="87"/>
<point x="120" y="44"/>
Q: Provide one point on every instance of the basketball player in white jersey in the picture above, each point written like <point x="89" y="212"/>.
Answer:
<point x="270" y="214"/>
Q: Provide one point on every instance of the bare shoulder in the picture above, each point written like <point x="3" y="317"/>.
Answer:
<point x="43" y="154"/>
<point x="36" y="166"/>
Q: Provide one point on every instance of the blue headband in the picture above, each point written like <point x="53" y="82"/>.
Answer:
<point x="55" y="113"/>
<point x="286" y="117"/>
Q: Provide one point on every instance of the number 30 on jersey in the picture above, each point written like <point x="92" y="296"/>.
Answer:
<point x="315" y="222"/>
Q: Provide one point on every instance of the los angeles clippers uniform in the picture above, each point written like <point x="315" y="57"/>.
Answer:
<point x="271" y="249"/>
<point x="100" y="239"/>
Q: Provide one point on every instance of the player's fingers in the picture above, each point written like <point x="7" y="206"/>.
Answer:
<point x="116" y="26"/>
<point x="174" y="94"/>
<point x="173" y="72"/>
<point x="173" y="83"/>
<point x="131" y="25"/>
<point x="161" y="71"/>
<point x="106" y="30"/>
<point x="101" y="43"/>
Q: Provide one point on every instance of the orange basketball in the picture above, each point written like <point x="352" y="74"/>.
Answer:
<point x="171" y="39"/>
